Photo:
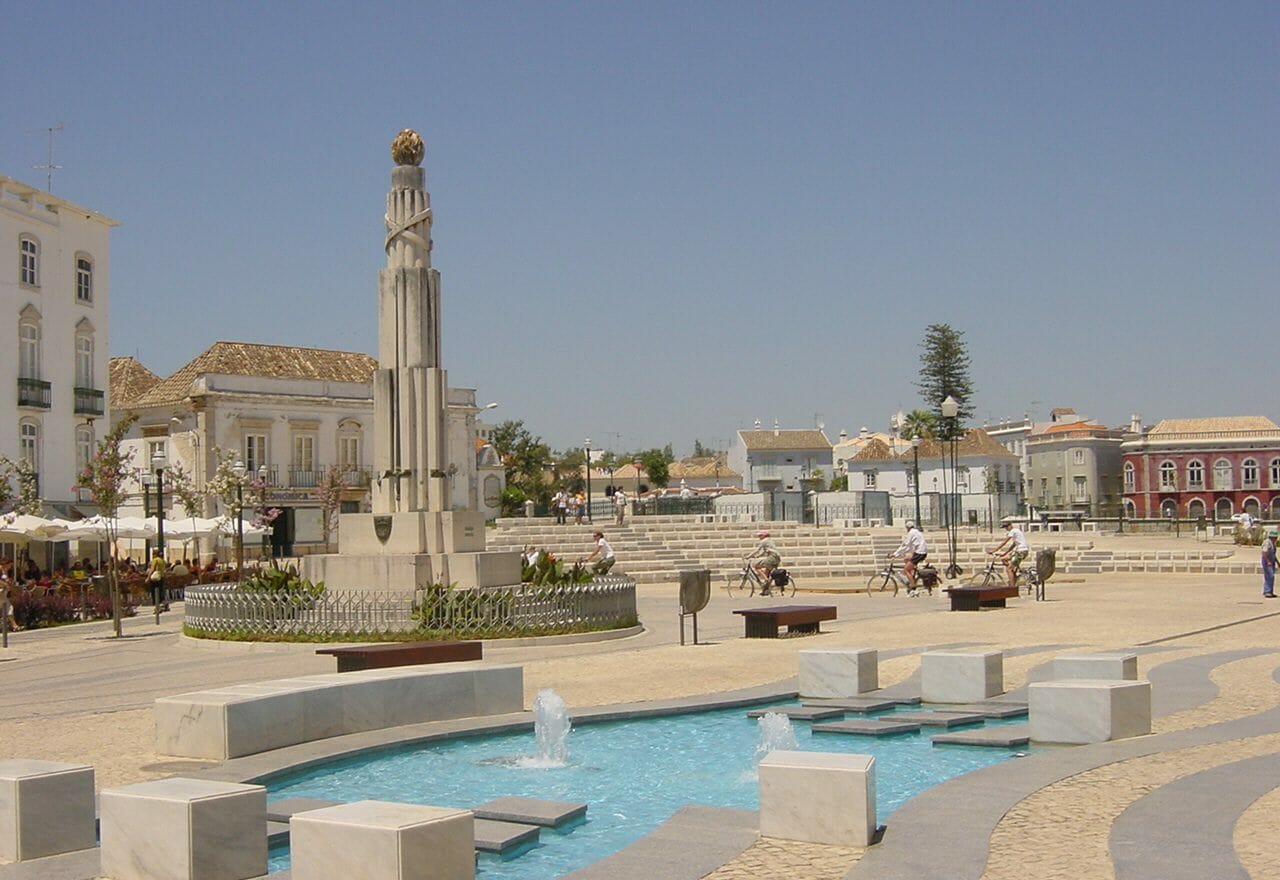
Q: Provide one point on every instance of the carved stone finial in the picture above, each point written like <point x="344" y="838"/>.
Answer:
<point x="408" y="148"/>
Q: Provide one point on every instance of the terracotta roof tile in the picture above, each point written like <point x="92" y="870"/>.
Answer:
<point x="1224" y="423"/>
<point x="268" y="361"/>
<point x="783" y="439"/>
<point x="128" y="379"/>
<point x="975" y="442"/>
<point x="700" y="467"/>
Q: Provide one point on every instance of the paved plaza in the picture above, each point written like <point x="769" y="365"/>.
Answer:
<point x="1195" y="798"/>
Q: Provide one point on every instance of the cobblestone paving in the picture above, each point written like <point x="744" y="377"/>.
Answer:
<point x="772" y="859"/>
<point x="1062" y="831"/>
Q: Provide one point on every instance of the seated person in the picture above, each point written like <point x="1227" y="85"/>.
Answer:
<point x="182" y="569"/>
<point x="766" y="559"/>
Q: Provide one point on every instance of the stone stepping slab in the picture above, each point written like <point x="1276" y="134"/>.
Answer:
<point x="283" y="809"/>
<point x="940" y="719"/>
<point x="1005" y="736"/>
<point x="987" y="710"/>
<point x="498" y="837"/>
<point x="852" y="704"/>
<point x="799" y="713"/>
<point x="531" y="811"/>
<point x="867" y="726"/>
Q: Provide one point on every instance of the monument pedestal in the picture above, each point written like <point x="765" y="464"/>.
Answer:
<point x="404" y="551"/>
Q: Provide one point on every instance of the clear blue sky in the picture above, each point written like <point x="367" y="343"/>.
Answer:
<point x="660" y="223"/>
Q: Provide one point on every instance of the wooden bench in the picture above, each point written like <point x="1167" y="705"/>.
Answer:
<point x="381" y="656"/>
<point x="763" y="623"/>
<point x="977" y="598"/>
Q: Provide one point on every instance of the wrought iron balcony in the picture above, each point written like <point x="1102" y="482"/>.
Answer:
<point x="305" y="478"/>
<point x="89" y="402"/>
<point x="34" y="392"/>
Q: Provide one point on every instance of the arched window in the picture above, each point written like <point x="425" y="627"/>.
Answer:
<point x="1222" y="509"/>
<point x="1128" y="476"/>
<point x="1129" y="510"/>
<point x="1195" y="475"/>
<point x="29" y="261"/>
<point x="1168" y="508"/>
<point x="84" y="359"/>
<point x="1273" y="474"/>
<point x="84" y="278"/>
<point x="1195" y="509"/>
<point x="29" y="320"/>
<point x="1251" y="507"/>
<point x="84" y="447"/>
<point x="1222" y="475"/>
<point x="1275" y="508"/>
<point x="1168" y="477"/>
<point x="29" y="443"/>
<point x="1249" y="473"/>
<point x="349" y="445"/>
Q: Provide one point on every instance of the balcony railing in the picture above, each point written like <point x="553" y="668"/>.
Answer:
<point x="305" y="478"/>
<point x="89" y="402"/>
<point x="33" y="392"/>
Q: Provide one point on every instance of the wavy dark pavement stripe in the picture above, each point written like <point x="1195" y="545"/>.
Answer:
<point x="958" y="850"/>
<point x="1184" y="684"/>
<point x="1184" y="830"/>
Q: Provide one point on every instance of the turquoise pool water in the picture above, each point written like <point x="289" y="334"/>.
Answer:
<point x="632" y="774"/>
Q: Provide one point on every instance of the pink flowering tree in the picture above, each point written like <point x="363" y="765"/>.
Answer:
<point x="182" y="485"/>
<point x="21" y="474"/>
<point x="104" y="477"/>
<point x="329" y="494"/>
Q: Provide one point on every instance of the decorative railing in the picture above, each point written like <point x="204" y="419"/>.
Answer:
<point x="305" y="478"/>
<point x="226" y="611"/>
<point x="34" y="392"/>
<point x="89" y="402"/>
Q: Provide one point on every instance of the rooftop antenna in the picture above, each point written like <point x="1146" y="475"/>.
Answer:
<point x="48" y="167"/>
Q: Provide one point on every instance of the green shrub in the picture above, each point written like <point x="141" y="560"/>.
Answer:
<point x="548" y="571"/>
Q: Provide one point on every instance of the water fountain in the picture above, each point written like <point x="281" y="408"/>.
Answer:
<point x="775" y="733"/>
<point x="551" y="728"/>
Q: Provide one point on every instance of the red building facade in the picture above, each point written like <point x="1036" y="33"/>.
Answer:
<point x="1188" y="468"/>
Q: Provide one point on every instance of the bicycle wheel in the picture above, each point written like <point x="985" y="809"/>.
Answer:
<point x="982" y="578"/>
<point x="791" y="582"/>
<point x="877" y="581"/>
<point x="738" y="588"/>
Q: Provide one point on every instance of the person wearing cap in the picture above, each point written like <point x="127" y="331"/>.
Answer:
<point x="1012" y="550"/>
<point x="603" y="551"/>
<point x="1269" y="565"/>
<point x="913" y="550"/>
<point x="766" y="559"/>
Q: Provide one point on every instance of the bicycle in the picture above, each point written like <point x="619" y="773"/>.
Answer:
<point x="766" y="587"/>
<point x="994" y="573"/>
<point x="889" y="574"/>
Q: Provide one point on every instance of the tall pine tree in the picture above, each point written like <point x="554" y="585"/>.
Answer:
<point x="944" y="371"/>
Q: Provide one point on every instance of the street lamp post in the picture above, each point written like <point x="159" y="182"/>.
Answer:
<point x="239" y="470"/>
<point x="915" y="469"/>
<point x="159" y="461"/>
<point x="635" y="503"/>
<point x="262" y="497"/>
<point x="586" y="448"/>
<point x="950" y="409"/>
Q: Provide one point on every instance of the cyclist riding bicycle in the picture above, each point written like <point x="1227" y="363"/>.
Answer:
<point x="1012" y="550"/>
<point x="913" y="550"/>
<point x="764" y="559"/>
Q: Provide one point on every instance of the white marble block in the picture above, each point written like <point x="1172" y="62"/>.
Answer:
<point x="1088" y="711"/>
<point x="184" y="829"/>
<point x="1118" y="666"/>
<point x="839" y="672"/>
<point x="245" y="719"/>
<point x="961" y="676"/>
<point x="46" y="808"/>
<point x="376" y="840"/>
<point x="818" y="797"/>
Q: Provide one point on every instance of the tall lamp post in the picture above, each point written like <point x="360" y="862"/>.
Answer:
<point x="915" y="470"/>
<point x="239" y="470"/>
<point x="262" y="481"/>
<point x="159" y="461"/>
<point x="586" y="448"/>
<point x="635" y="502"/>
<point x="950" y="410"/>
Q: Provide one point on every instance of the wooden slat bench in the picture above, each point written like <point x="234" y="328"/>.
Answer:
<point x="357" y="657"/>
<point x="977" y="598"/>
<point x="763" y="623"/>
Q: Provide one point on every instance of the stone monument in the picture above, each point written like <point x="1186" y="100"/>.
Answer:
<point x="411" y="539"/>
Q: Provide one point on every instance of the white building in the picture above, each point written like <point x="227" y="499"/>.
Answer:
<point x="54" y="287"/>
<point x="287" y="413"/>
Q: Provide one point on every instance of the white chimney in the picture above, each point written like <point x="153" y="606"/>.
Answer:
<point x="1135" y="423"/>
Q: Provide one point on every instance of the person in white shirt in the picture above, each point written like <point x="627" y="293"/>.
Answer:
<point x="619" y="506"/>
<point x="603" y="551"/>
<point x="764" y="559"/>
<point x="913" y="550"/>
<point x="1012" y="550"/>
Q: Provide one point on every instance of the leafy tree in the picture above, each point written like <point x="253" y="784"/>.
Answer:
<point x="525" y="458"/>
<point x="655" y="462"/>
<point x="840" y="483"/>
<point x="103" y="477"/>
<point x="944" y="372"/>
<point x="700" y="451"/>
<point x="920" y="423"/>
<point x="27" y="500"/>
<point x="329" y="494"/>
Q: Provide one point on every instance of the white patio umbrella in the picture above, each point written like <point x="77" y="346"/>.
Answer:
<point x="186" y="528"/>
<point x="227" y="526"/>
<point x="99" y="528"/>
<point x="31" y="526"/>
